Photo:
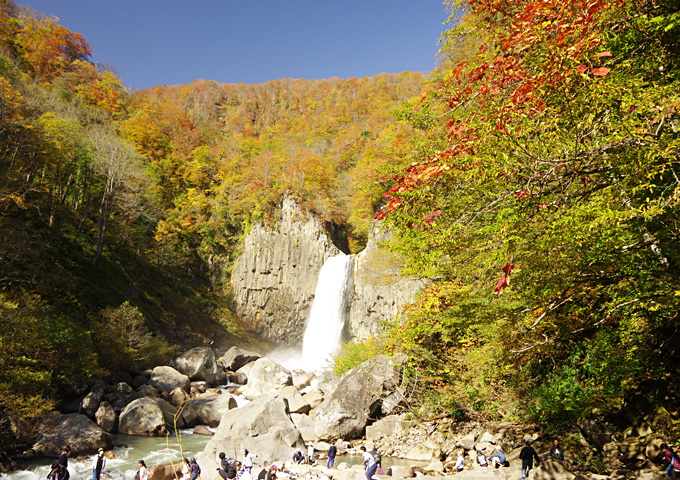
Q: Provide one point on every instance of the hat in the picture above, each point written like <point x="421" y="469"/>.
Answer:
<point x="273" y="467"/>
<point x="527" y="442"/>
<point x="498" y="447"/>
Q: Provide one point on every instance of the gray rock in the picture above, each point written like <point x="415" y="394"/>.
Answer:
<point x="239" y="378"/>
<point x="142" y="417"/>
<point x="296" y="403"/>
<point x="387" y="427"/>
<point x="305" y="424"/>
<point x="487" y="437"/>
<point x="302" y="380"/>
<point x="198" y="364"/>
<point x="76" y="430"/>
<point x="314" y="398"/>
<point x="263" y="426"/>
<point x="138" y="381"/>
<point x="203" y="430"/>
<point x="178" y="397"/>
<point x="106" y="417"/>
<point x="124" y="388"/>
<point x="379" y="290"/>
<point x="210" y="408"/>
<point x="401" y="472"/>
<point x="468" y="441"/>
<point x="266" y="378"/>
<point x="166" y="379"/>
<point x="236" y="357"/>
<point x="552" y="470"/>
<point x="90" y="403"/>
<point x="359" y="395"/>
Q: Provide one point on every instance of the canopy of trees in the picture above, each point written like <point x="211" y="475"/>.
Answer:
<point x="544" y="199"/>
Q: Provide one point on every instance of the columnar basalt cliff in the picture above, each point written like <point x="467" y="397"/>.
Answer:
<point x="275" y="276"/>
<point x="379" y="290"/>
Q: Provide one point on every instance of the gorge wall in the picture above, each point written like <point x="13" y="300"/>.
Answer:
<point x="275" y="277"/>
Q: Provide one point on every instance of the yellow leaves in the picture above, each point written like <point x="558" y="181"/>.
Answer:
<point x="10" y="102"/>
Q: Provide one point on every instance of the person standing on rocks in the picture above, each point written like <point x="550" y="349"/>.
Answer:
<point x="228" y="467"/>
<point x="98" y="464"/>
<point x="310" y="453"/>
<point x="186" y="473"/>
<point x="369" y="463"/>
<point x="332" y="452"/>
<point x="193" y="468"/>
<point x="63" y="463"/>
<point x="248" y="461"/>
<point x="527" y="455"/>
<point x="556" y="451"/>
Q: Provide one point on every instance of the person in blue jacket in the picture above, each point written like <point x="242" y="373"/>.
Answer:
<point x="498" y="458"/>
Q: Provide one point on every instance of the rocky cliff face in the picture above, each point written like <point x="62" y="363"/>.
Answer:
<point x="379" y="291"/>
<point x="275" y="276"/>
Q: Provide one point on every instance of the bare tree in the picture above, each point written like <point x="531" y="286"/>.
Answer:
<point x="121" y="170"/>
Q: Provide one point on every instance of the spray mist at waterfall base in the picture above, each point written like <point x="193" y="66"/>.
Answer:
<point x="323" y="332"/>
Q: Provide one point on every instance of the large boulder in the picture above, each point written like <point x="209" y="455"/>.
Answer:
<point x="266" y="378"/>
<point x="236" y="357"/>
<point x="305" y="424"/>
<point x="357" y="398"/>
<point x="90" y="403"/>
<point x="263" y="426"/>
<point x="296" y="403"/>
<point x="142" y="417"/>
<point x="166" y="379"/>
<point x="106" y="416"/>
<point x="198" y="364"/>
<point x="210" y="408"/>
<point x="390" y="426"/>
<point x="76" y="430"/>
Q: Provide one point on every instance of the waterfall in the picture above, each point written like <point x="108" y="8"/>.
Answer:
<point x="323" y="333"/>
<point x="326" y="319"/>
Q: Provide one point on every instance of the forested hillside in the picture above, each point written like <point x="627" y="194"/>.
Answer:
<point x="546" y="203"/>
<point x="533" y="177"/>
<point x="120" y="211"/>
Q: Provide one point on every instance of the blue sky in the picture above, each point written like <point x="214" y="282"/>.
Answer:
<point x="158" y="42"/>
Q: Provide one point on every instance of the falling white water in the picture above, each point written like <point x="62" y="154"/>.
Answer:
<point x="323" y="332"/>
<point x="326" y="320"/>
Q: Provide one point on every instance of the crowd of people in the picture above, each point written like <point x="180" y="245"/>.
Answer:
<point x="231" y="469"/>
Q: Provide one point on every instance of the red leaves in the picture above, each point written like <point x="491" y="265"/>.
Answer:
<point x="504" y="281"/>
<point x="601" y="71"/>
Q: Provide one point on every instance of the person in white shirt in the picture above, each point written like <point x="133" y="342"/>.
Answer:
<point x="248" y="461"/>
<point x="369" y="463"/>
<point x="460" y="461"/>
<point x="143" y="473"/>
<point x="310" y="453"/>
<point x="98" y="464"/>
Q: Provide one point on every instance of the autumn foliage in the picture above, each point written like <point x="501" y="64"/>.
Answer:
<point x="547" y="202"/>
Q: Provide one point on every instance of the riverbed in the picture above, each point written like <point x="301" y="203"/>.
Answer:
<point x="128" y="450"/>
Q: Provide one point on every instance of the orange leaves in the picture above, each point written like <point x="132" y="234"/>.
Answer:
<point x="600" y="71"/>
<point x="50" y="48"/>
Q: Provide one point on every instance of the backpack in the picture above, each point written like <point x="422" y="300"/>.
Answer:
<point x="376" y="456"/>
<point x="231" y="470"/>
